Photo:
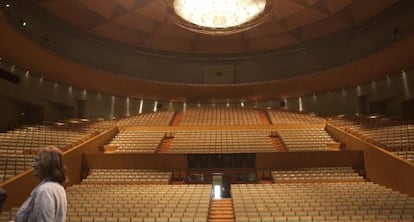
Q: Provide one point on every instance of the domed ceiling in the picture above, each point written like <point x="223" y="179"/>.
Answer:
<point x="144" y="23"/>
<point x="134" y="49"/>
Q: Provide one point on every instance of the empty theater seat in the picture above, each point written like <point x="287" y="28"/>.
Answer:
<point x="138" y="202"/>
<point x="339" y="201"/>
<point x="316" y="175"/>
<point x="127" y="176"/>
<point x="221" y="141"/>
<point x="137" y="141"/>
<point x="204" y="116"/>
<point x="312" y="139"/>
<point x="160" y="118"/>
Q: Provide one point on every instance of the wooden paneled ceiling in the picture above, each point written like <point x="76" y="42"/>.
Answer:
<point x="144" y="23"/>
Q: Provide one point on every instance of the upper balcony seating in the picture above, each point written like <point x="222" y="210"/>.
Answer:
<point x="312" y="139"/>
<point x="408" y="155"/>
<point x="389" y="134"/>
<point x="287" y="117"/>
<point x="160" y="118"/>
<point x="221" y="141"/>
<point x="220" y="116"/>
<point x="18" y="147"/>
<point x="136" y="141"/>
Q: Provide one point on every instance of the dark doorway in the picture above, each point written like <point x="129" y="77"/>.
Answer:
<point x="81" y="109"/>
<point x="31" y="114"/>
<point x="362" y="105"/>
<point x="408" y="109"/>
<point x="378" y="107"/>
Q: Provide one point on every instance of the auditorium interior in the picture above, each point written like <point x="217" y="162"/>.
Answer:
<point x="181" y="111"/>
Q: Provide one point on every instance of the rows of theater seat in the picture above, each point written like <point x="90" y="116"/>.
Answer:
<point x="127" y="176"/>
<point x="101" y="124"/>
<point x="135" y="203"/>
<point x="316" y="175"/>
<point x="205" y="116"/>
<point x="13" y="163"/>
<point x="160" y="118"/>
<point x="344" y="198"/>
<point x="17" y="147"/>
<point x="312" y="139"/>
<point x="137" y="141"/>
<point x="393" y="138"/>
<point x="344" y="121"/>
<point x="339" y="201"/>
<point x="138" y="202"/>
<point x="287" y="117"/>
<point x="408" y="155"/>
<point x="220" y="116"/>
<point x="220" y="141"/>
<point x="223" y="141"/>
<point x="319" y="194"/>
<point x="38" y="136"/>
<point x="391" y="135"/>
<point x="289" y="200"/>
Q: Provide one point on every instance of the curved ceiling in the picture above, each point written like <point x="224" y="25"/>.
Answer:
<point x="145" y="24"/>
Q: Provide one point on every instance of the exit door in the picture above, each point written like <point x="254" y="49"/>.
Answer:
<point x="221" y="186"/>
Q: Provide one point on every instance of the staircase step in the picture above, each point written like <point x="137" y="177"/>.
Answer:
<point x="221" y="210"/>
<point x="222" y="220"/>
<point x="221" y="205"/>
<point x="221" y="216"/>
<point x="225" y="209"/>
<point x="165" y="145"/>
<point x="264" y="117"/>
<point x="221" y="202"/>
<point x="227" y="215"/>
<point x="176" y="119"/>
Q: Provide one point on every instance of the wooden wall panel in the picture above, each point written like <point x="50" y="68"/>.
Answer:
<point x="73" y="157"/>
<point x="19" y="188"/>
<point x="136" y="160"/>
<point x="309" y="159"/>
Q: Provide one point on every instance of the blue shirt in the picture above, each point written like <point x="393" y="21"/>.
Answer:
<point x="47" y="203"/>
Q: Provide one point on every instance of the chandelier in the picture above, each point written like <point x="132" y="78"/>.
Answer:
<point x="218" y="17"/>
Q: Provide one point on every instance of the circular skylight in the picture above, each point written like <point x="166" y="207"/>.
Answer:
<point x="219" y="14"/>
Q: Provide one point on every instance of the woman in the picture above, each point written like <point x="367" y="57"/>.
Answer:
<point x="47" y="202"/>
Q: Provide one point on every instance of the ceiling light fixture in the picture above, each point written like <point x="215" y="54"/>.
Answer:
<point x="218" y="17"/>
